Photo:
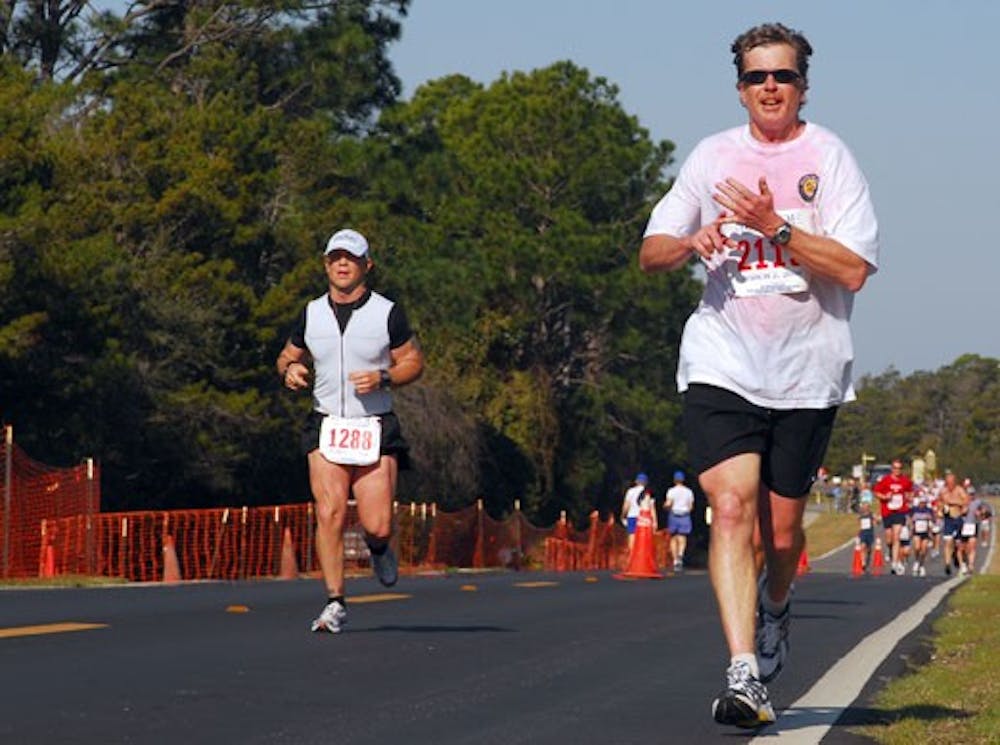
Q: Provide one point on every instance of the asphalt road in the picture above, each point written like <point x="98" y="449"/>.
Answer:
<point x="504" y="658"/>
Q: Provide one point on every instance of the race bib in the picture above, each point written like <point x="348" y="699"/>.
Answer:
<point x="351" y="442"/>
<point x="758" y="266"/>
<point x="920" y="526"/>
<point x="895" y="501"/>
<point x="904" y="533"/>
<point x="968" y="530"/>
<point x="866" y="523"/>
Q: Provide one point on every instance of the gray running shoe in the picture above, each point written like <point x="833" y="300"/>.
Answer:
<point x="744" y="703"/>
<point x="332" y="618"/>
<point x="771" y="638"/>
<point x="385" y="566"/>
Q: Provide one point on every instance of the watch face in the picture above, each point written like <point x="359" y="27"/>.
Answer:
<point x="783" y="234"/>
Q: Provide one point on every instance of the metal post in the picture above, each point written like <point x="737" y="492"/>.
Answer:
<point x="8" y="466"/>
<point x="517" y="534"/>
<point x="89" y="550"/>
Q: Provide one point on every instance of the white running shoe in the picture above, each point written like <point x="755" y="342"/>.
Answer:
<point x="331" y="619"/>
<point x="923" y="571"/>
<point x="744" y="703"/>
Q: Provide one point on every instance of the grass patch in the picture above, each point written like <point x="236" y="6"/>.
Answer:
<point x="952" y="698"/>
<point x="828" y="531"/>
<point x="63" y="580"/>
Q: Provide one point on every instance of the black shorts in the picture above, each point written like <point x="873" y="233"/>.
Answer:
<point x="894" y="518"/>
<point x="792" y="443"/>
<point x="393" y="442"/>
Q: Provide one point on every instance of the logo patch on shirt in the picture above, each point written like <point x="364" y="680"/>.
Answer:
<point x="808" y="186"/>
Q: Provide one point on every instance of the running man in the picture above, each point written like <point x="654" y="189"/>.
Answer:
<point x="969" y="533"/>
<point x="353" y="345"/>
<point x="894" y="491"/>
<point x="922" y="518"/>
<point x="678" y="503"/>
<point x="954" y="503"/>
<point x="780" y="215"/>
<point x="985" y="522"/>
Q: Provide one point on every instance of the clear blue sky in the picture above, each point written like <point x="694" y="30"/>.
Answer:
<point x="912" y="87"/>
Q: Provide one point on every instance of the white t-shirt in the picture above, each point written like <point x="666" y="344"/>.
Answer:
<point x="784" y="336"/>
<point x="681" y="499"/>
<point x="632" y="497"/>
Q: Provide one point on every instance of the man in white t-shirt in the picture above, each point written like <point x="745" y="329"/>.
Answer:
<point x="780" y="215"/>
<point x="678" y="503"/>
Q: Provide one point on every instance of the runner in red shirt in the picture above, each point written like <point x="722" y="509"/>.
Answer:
<point x="894" y="492"/>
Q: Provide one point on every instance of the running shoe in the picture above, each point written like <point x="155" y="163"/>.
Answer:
<point x="771" y="638"/>
<point x="385" y="566"/>
<point x="332" y="618"/>
<point x="744" y="703"/>
<point x="923" y="571"/>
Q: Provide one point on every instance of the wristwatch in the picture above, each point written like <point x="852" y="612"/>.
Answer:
<point x="782" y="235"/>
<point x="384" y="381"/>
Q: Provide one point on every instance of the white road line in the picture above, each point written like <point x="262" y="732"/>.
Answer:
<point x="809" y="719"/>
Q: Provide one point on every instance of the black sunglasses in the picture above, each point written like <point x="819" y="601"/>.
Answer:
<point x="756" y="77"/>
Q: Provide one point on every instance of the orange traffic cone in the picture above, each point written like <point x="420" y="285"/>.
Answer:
<point x="49" y="562"/>
<point x="858" y="566"/>
<point x="878" y="560"/>
<point x="171" y="567"/>
<point x="642" y="562"/>
<point x="289" y="567"/>
<point x="803" y="562"/>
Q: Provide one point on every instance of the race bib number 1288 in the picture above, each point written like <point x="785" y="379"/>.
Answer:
<point x="351" y="441"/>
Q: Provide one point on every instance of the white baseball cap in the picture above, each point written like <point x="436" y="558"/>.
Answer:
<point x="347" y="240"/>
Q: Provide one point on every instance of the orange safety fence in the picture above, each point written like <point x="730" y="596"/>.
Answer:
<point x="252" y="542"/>
<point x="51" y="525"/>
<point x="33" y="495"/>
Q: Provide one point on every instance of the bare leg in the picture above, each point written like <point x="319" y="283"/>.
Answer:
<point x="374" y="489"/>
<point x="732" y="488"/>
<point x="330" y="484"/>
<point x="783" y="539"/>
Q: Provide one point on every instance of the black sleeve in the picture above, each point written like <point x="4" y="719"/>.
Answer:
<point x="399" y="327"/>
<point x="297" y="335"/>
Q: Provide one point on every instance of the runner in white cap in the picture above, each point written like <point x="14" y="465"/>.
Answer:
<point x="352" y="345"/>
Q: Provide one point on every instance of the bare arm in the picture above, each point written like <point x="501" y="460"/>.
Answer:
<point x="407" y="364"/>
<point x="821" y="255"/>
<point x="293" y="366"/>
<point x="665" y="253"/>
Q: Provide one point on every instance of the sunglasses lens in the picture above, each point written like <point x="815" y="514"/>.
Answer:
<point x="785" y="76"/>
<point x="757" y="77"/>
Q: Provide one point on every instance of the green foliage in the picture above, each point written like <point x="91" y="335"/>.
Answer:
<point x="955" y="412"/>
<point x="160" y="223"/>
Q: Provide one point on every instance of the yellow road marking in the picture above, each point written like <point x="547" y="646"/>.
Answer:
<point x="377" y="598"/>
<point x="536" y="584"/>
<point x="49" y="628"/>
<point x="237" y="609"/>
<point x="468" y="588"/>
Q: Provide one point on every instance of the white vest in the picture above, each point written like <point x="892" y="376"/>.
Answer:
<point x="363" y="346"/>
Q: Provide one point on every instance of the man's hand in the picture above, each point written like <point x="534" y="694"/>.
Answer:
<point x="756" y="211"/>
<point x="296" y="376"/>
<point x="709" y="239"/>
